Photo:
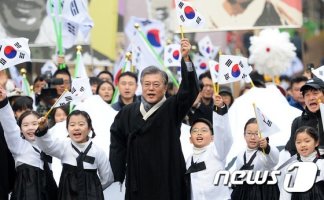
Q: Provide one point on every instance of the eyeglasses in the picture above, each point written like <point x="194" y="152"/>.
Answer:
<point x="202" y="131"/>
<point x="149" y="84"/>
<point x="250" y="134"/>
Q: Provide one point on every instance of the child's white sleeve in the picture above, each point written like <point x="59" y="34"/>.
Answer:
<point x="104" y="169"/>
<point x="12" y="131"/>
<point x="223" y="139"/>
<point x="51" y="145"/>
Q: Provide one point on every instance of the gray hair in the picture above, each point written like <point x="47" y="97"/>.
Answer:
<point x="155" y="70"/>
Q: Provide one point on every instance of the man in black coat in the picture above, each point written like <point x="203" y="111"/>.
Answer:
<point x="145" y="136"/>
<point x="313" y="93"/>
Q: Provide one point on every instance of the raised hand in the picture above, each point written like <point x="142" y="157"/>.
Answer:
<point x="218" y="100"/>
<point x="42" y="123"/>
<point x="185" y="49"/>
<point x="263" y="143"/>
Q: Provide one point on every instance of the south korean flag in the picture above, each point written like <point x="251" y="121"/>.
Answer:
<point x="232" y="68"/>
<point x="172" y="55"/>
<point x="188" y="16"/>
<point x="13" y="51"/>
<point x="214" y="69"/>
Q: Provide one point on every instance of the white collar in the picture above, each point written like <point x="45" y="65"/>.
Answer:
<point x="309" y="158"/>
<point x="147" y="114"/>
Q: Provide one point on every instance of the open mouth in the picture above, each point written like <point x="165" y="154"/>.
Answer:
<point x="26" y="6"/>
<point x="199" y="139"/>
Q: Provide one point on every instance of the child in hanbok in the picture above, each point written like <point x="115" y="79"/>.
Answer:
<point x="34" y="178"/>
<point x="86" y="168"/>
<point x="211" y="146"/>
<point x="258" y="156"/>
<point x="306" y="141"/>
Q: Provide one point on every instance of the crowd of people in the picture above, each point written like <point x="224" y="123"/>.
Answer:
<point x="145" y="148"/>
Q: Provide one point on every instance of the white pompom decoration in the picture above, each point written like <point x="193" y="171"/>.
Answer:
<point x="271" y="52"/>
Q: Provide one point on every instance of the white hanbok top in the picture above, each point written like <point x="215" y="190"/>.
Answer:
<point x="62" y="149"/>
<point x="284" y="195"/>
<point x="22" y="150"/>
<point x="214" y="156"/>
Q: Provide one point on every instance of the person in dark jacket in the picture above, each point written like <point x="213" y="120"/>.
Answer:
<point x="145" y="136"/>
<point x="204" y="104"/>
<point x="127" y="85"/>
<point x="313" y="93"/>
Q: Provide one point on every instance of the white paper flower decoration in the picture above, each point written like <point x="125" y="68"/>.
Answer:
<point x="271" y="52"/>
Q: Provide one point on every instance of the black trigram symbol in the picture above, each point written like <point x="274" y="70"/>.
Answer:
<point x="180" y="5"/>
<point x="68" y="98"/>
<point x="228" y="62"/>
<point x="226" y="76"/>
<point x="71" y="28"/>
<point x="170" y="60"/>
<point x="82" y="89"/>
<point x="21" y="55"/>
<point x="74" y="8"/>
<point x="3" y="61"/>
<point x="198" y="20"/>
<point x="241" y="64"/>
<point x="17" y="45"/>
<point x="182" y="18"/>
<point x="73" y="90"/>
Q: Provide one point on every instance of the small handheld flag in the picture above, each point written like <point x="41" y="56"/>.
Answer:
<point x="266" y="126"/>
<point x="172" y="55"/>
<point x="13" y="51"/>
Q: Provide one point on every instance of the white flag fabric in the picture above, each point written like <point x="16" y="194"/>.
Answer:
<point x="48" y="67"/>
<point x="201" y="64"/>
<point x="143" y="54"/>
<point x="172" y="55"/>
<point x="319" y="72"/>
<point x="153" y="30"/>
<point x="80" y="89"/>
<point x="65" y="98"/>
<point x="266" y="126"/>
<point x="213" y="68"/>
<point x="206" y="48"/>
<point x="74" y="18"/>
<point x="80" y="70"/>
<point x="232" y="68"/>
<point x="13" y="51"/>
<point x="188" y="16"/>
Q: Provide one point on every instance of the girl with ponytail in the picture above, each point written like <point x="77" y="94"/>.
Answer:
<point x="306" y="142"/>
<point x="86" y="168"/>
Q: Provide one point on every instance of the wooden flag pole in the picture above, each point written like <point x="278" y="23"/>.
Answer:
<point x="181" y="32"/>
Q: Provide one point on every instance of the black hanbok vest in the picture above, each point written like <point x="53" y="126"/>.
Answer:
<point x="35" y="183"/>
<point x="260" y="192"/>
<point x="77" y="183"/>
